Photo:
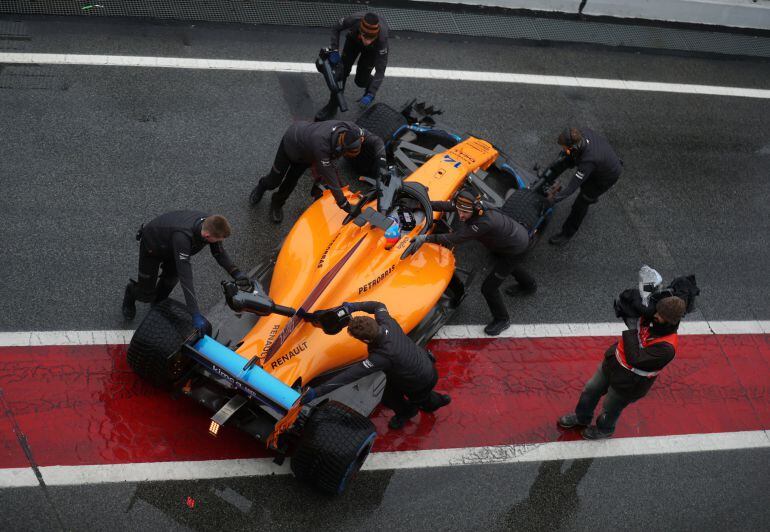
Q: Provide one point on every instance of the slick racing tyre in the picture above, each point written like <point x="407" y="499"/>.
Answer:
<point x="154" y="349"/>
<point x="382" y="120"/>
<point x="524" y="206"/>
<point x="335" y="443"/>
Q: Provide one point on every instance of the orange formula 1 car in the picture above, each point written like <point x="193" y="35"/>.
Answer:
<point x="253" y="371"/>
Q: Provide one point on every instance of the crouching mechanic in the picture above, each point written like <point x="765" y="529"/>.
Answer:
<point x="410" y="370"/>
<point x="316" y="145"/>
<point x="503" y="236"/>
<point x="167" y="243"/>
<point x="628" y="370"/>
<point x="368" y="37"/>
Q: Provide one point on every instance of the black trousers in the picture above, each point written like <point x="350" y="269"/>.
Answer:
<point x="503" y="265"/>
<point x="406" y="403"/>
<point x="284" y="175"/>
<point x="614" y="402"/>
<point x="589" y="194"/>
<point x="151" y="288"/>
<point x="350" y="52"/>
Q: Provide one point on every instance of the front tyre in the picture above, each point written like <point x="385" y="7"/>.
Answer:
<point x="335" y="443"/>
<point x="154" y="352"/>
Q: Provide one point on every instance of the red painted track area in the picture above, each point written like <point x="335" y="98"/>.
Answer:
<point x="83" y="405"/>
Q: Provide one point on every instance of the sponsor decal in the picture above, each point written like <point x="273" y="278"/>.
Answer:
<point x="479" y="145"/>
<point x="269" y="341"/>
<point x="461" y="156"/>
<point x="326" y="252"/>
<point x="367" y="364"/>
<point x="374" y="282"/>
<point x="288" y="356"/>
<point x="184" y="257"/>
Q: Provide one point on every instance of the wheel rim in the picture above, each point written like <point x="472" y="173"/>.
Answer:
<point x="358" y="461"/>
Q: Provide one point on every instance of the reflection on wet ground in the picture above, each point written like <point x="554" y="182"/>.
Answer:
<point x="553" y="497"/>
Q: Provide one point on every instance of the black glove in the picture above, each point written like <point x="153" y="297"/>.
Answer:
<point x="419" y="240"/>
<point x="347" y="207"/>
<point x="201" y="324"/>
<point x="242" y="281"/>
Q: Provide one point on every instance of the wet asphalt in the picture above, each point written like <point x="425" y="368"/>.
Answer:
<point x="89" y="153"/>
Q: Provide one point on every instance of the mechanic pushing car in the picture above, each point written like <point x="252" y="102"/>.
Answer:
<point x="503" y="236"/>
<point x="368" y="37"/>
<point x="598" y="169"/>
<point x="410" y="370"/>
<point x="629" y="370"/>
<point x="167" y="243"/>
<point x="316" y="145"/>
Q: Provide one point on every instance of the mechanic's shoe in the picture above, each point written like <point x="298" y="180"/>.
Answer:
<point x="497" y="326"/>
<point x="257" y="192"/>
<point x="129" y="302"/>
<point x="276" y="213"/>
<point x="570" y="421"/>
<point x="397" y="422"/>
<point x="327" y="112"/>
<point x="593" y="433"/>
<point x="518" y="290"/>
<point x="559" y="239"/>
<point x="440" y="400"/>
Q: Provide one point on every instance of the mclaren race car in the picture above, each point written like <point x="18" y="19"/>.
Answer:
<point x="269" y="347"/>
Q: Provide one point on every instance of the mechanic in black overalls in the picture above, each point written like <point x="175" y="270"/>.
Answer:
<point x="167" y="243"/>
<point x="410" y="370"/>
<point x="316" y="145"/>
<point x="598" y="168"/>
<point x="629" y="370"/>
<point x="367" y="37"/>
<point x="503" y="236"/>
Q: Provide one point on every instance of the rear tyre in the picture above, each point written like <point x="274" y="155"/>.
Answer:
<point x="154" y="352"/>
<point x="382" y="120"/>
<point x="525" y="206"/>
<point x="335" y="443"/>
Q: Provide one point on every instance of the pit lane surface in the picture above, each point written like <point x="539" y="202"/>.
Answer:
<point x="89" y="153"/>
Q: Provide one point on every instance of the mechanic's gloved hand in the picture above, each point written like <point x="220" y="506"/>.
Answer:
<point x="308" y="396"/>
<point x="347" y="207"/>
<point x="347" y="307"/>
<point x="334" y="57"/>
<point x="242" y="281"/>
<point x="366" y="99"/>
<point x="201" y="324"/>
<point x="419" y="240"/>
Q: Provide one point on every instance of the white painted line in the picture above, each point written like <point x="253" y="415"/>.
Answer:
<point x="501" y="454"/>
<point x="22" y="477"/>
<point x="560" y="330"/>
<point x="448" y="332"/>
<point x="38" y="338"/>
<point x="395" y="72"/>
<point x="155" y="471"/>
